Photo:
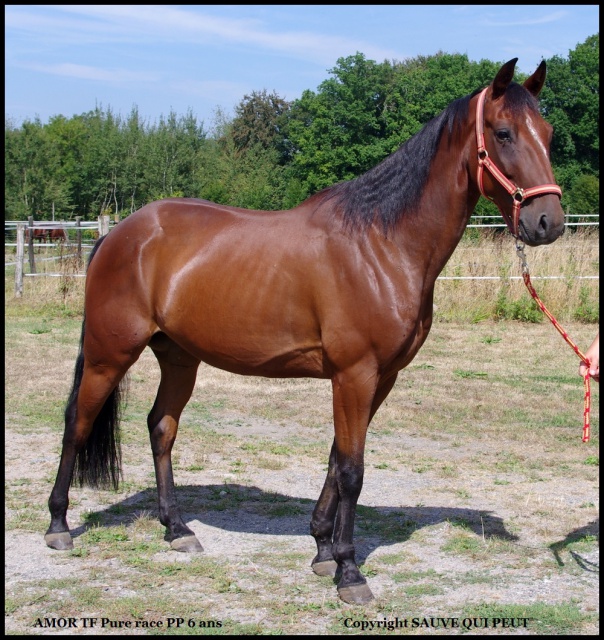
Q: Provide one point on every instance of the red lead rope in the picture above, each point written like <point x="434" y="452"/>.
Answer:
<point x="529" y="285"/>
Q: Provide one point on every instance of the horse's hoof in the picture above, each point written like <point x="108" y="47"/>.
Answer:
<point x="186" y="544"/>
<point x="356" y="594"/>
<point x="325" y="568"/>
<point x="60" y="541"/>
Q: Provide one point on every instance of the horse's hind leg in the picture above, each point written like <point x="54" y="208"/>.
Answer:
<point x="92" y="411"/>
<point x="178" y="373"/>
<point x="323" y="519"/>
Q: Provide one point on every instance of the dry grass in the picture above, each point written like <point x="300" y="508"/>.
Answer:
<point x="573" y="256"/>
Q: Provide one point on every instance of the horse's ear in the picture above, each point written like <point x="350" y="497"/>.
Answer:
<point x="503" y="78"/>
<point x="535" y="83"/>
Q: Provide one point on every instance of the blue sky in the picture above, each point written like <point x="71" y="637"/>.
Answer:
<point x="68" y="59"/>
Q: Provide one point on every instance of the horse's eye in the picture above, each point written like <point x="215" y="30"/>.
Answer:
<point x="503" y="135"/>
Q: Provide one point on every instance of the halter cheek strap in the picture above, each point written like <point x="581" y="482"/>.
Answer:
<point x="484" y="162"/>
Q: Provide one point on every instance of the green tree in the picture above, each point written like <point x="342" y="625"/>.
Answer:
<point x="15" y="205"/>
<point x="66" y="142"/>
<point x="172" y="150"/>
<point x="339" y="132"/>
<point x="570" y="102"/>
<point x="260" y="119"/>
<point x="251" y="178"/>
<point x="35" y="184"/>
<point x="93" y="151"/>
<point x="273" y="153"/>
<point x="133" y="162"/>
<point x="585" y="195"/>
<point x="367" y="110"/>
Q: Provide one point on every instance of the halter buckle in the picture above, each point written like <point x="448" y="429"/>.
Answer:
<point x="518" y="195"/>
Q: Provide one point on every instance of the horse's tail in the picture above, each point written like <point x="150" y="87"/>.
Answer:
<point x="98" y="462"/>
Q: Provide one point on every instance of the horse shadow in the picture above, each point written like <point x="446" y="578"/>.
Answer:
<point x="249" y="509"/>
<point x="589" y="530"/>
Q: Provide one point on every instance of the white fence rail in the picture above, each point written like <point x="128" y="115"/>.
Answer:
<point x="567" y="223"/>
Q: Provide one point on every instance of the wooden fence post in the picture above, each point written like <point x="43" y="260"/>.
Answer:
<point x="20" y="257"/>
<point x="79" y="237"/>
<point x="103" y="225"/>
<point x="30" y="248"/>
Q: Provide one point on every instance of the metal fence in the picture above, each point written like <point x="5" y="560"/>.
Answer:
<point x="26" y="233"/>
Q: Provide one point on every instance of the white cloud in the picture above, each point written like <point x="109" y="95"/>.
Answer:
<point x="84" y="72"/>
<point x="526" y="22"/>
<point x="119" y="23"/>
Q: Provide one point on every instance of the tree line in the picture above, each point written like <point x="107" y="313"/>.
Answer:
<point x="273" y="153"/>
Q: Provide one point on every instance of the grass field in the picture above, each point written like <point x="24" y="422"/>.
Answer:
<point x="480" y="500"/>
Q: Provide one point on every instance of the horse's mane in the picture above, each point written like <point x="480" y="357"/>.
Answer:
<point x="394" y="186"/>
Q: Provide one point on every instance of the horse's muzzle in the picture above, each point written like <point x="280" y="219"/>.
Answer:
<point x="541" y="229"/>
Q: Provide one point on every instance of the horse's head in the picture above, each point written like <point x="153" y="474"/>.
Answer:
<point x="514" y="167"/>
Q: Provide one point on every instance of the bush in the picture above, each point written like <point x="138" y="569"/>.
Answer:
<point x="523" y="309"/>
<point x="587" y="311"/>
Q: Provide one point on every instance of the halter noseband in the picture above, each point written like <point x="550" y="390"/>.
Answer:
<point x="484" y="162"/>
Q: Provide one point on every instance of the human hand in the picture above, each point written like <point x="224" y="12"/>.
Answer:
<point x="593" y="355"/>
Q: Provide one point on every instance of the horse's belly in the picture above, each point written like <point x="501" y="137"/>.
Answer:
<point x="248" y="339"/>
<point x="292" y="364"/>
<point x="260" y="357"/>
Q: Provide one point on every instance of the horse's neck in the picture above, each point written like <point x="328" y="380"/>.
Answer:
<point x="444" y="210"/>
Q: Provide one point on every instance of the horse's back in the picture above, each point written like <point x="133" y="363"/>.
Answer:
<point x="167" y="234"/>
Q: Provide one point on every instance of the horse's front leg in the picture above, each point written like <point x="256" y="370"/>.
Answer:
<point x="323" y="519"/>
<point x="353" y="395"/>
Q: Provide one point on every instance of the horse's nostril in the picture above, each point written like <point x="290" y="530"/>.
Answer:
<point x="543" y="223"/>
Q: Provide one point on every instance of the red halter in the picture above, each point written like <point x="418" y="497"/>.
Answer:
<point x="484" y="162"/>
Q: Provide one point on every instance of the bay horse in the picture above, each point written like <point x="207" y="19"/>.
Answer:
<point x="58" y="234"/>
<point x="45" y="233"/>
<point x="40" y="234"/>
<point x="340" y="287"/>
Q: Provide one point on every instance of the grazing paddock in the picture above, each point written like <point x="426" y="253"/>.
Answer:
<point x="480" y="500"/>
